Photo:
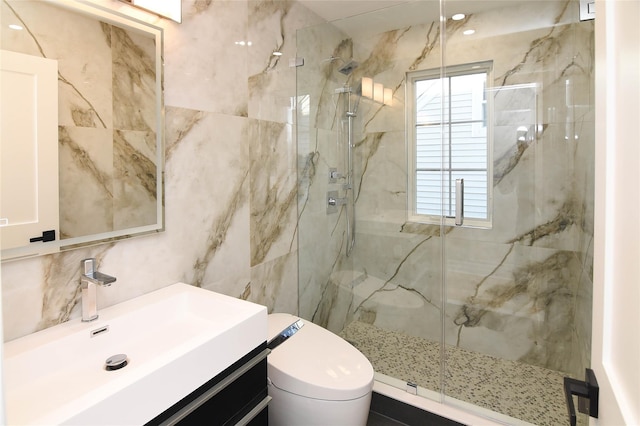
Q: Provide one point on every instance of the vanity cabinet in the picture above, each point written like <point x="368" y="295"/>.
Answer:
<point x="238" y="395"/>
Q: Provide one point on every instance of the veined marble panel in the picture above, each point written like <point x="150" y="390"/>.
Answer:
<point x="273" y="190"/>
<point x="325" y="50"/>
<point x="272" y="96"/>
<point x="86" y="181"/>
<point x="205" y="64"/>
<point x="274" y="284"/>
<point x="61" y="292"/>
<point x="272" y="27"/>
<point x="211" y="158"/>
<point x="381" y="177"/>
<point x="583" y="313"/>
<point x="269" y="31"/>
<point x="134" y="81"/>
<point x="272" y="81"/>
<point x="323" y="240"/>
<point x="503" y="300"/>
<point x="134" y="180"/>
<point x="48" y="293"/>
<point x="22" y="296"/>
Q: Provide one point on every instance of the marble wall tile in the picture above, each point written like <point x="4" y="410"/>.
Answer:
<point x="85" y="181"/>
<point x="272" y="28"/>
<point x="22" y="297"/>
<point x="324" y="235"/>
<point x="274" y="284"/>
<point x="272" y="96"/>
<point x="134" y="81"/>
<point x="583" y="310"/>
<point x="135" y="191"/>
<point x="211" y="158"/>
<point x="319" y="77"/>
<point x="381" y="163"/>
<point x="272" y="81"/>
<point x="269" y="31"/>
<point x="204" y="67"/>
<point x="322" y="140"/>
<point x="273" y="190"/>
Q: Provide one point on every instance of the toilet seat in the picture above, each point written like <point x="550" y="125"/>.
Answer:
<point x="315" y="363"/>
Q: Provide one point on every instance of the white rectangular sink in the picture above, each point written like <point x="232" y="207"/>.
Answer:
<point x="175" y="339"/>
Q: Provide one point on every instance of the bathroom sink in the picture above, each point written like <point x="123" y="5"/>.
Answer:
<point x="175" y="339"/>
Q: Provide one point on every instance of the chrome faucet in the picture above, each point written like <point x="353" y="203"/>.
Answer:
<point x="89" y="278"/>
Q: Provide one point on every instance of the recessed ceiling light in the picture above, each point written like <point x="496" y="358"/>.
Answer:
<point x="458" y="16"/>
<point x="468" y="32"/>
<point x="15" y="27"/>
<point x="277" y="53"/>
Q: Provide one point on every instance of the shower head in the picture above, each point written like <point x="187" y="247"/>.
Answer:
<point x="345" y="69"/>
<point x="348" y="67"/>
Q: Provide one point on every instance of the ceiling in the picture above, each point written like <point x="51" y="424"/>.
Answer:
<point x="338" y="9"/>
<point x="368" y="17"/>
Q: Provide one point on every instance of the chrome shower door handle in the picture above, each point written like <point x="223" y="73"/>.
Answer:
<point x="459" y="202"/>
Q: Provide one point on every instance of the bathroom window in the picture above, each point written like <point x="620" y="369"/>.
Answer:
<point x="448" y="115"/>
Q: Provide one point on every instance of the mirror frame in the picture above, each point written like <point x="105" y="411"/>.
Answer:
<point x="119" y="19"/>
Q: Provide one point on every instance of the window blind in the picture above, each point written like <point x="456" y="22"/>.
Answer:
<point x="451" y="143"/>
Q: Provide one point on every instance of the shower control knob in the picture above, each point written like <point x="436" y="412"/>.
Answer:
<point x="335" y="201"/>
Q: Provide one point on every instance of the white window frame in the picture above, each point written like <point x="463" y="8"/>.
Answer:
<point x="450" y="71"/>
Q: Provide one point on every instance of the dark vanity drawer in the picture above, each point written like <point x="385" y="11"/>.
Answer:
<point x="238" y="395"/>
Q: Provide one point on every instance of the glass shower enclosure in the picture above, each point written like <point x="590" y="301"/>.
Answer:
<point x="445" y="171"/>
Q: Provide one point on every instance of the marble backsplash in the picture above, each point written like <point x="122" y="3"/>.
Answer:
<point x="230" y="179"/>
<point x="520" y="290"/>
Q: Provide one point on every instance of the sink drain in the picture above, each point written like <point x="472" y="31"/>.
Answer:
<point x="116" y="362"/>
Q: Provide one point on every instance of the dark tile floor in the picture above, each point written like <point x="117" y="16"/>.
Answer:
<point x="376" y="419"/>
<point x="385" y="411"/>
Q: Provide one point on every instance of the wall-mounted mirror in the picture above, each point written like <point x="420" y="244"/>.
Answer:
<point x="82" y="127"/>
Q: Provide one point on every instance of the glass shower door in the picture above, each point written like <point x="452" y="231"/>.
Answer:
<point x="490" y="313"/>
<point x="518" y="279"/>
<point x="379" y="289"/>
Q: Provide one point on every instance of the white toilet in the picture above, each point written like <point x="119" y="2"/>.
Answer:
<point x="314" y="376"/>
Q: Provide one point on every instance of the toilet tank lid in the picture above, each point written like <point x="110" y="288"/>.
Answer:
<point x="316" y="363"/>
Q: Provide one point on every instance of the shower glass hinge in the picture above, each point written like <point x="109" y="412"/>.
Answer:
<point x="343" y="89"/>
<point x="587" y="10"/>
<point x="412" y="388"/>
<point x="296" y="62"/>
<point x="587" y="392"/>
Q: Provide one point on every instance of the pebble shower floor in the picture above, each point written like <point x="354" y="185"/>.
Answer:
<point x="522" y="391"/>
